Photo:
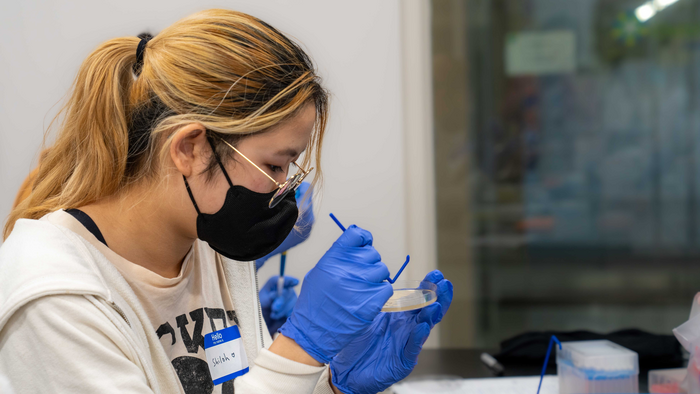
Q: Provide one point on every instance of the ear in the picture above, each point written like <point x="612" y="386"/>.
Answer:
<point x="189" y="149"/>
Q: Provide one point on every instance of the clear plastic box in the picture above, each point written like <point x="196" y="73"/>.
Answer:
<point x="587" y="367"/>
<point x="667" y="381"/>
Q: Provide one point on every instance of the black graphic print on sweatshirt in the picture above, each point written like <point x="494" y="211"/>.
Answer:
<point x="188" y="332"/>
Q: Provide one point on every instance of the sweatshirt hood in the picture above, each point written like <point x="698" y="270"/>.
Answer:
<point x="40" y="259"/>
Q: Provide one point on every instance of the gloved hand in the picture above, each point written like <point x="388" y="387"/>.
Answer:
<point x="340" y="297"/>
<point x="302" y="229"/>
<point x="388" y="351"/>
<point x="276" y="309"/>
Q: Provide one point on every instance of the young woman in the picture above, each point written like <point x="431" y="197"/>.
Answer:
<point x="130" y="267"/>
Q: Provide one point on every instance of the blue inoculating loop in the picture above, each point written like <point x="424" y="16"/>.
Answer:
<point x="408" y="258"/>
<point x="546" y="359"/>
<point x="335" y="219"/>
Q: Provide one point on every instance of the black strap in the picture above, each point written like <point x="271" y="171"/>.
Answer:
<point x="145" y="38"/>
<point x="187" y="185"/>
<point x="218" y="160"/>
<point x="88" y="223"/>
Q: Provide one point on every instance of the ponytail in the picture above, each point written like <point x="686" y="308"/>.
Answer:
<point x="89" y="156"/>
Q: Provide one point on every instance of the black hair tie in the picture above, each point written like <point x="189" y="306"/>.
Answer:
<point x="145" y="38"/>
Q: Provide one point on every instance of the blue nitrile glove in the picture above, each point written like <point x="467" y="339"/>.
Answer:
<point x="276" y="309"/>
<point x="388" y="351"/>
<point x="340" y="297"/>
<point x="302" y="229"/>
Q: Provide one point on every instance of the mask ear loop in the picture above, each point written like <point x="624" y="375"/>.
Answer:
<point x="218" y="160"/>
<point x="187" y="185"/>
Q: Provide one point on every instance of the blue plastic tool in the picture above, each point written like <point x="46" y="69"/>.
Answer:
<point x="546" y="359"/>
<point x="335" y="219"/>
<point x="408" y="257"/>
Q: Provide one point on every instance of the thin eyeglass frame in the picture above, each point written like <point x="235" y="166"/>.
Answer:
<point x="280" y="186"/>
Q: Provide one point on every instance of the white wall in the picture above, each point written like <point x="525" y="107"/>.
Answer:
<point x="356" y="46"/>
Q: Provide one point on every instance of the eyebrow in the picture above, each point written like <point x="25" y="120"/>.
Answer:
<point x="287" y="152"/>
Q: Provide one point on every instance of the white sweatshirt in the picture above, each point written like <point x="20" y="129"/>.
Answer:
<point x="69" y="322"/>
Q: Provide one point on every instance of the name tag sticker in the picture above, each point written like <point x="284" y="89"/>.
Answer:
<point x="225" y="354"/>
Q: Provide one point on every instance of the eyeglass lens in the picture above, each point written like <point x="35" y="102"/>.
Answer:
<point x="289" y="186"/>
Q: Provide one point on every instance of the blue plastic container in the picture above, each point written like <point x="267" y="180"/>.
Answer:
<point x="603" y="367"/>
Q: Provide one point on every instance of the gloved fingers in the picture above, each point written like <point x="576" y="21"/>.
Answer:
<point x="369" y="306"/>
<point x="281" y="301"/>
<point x="284" y="301"/>
<point x="354" y="237"/>
<point x="375" y="273"/>
<point x="270" y="285"/>
<point x="434" y="276"/>
<point x="261" y="261"/>
<point x="419" y="334"/>
<point x="276" y="315"/>
<point x="283" y="314"/>
<point x="268" y="293"/>
<point x="267" y="297"/>
<point x="444" y="297"/>
<point x="444" y="291"/>
<point x="283" y="306"/>
<point x="353" y="261"/>
<point x="385" y="292"/>
<point x="278" y="304"/>
<point x="431" y="314"/>
<point x="289" y="282"/>
<point x="366" y="254"/>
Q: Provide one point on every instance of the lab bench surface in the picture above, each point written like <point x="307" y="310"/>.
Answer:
<point x="465" y="363"/>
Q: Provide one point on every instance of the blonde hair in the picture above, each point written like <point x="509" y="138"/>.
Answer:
<point x="229" y="71"/>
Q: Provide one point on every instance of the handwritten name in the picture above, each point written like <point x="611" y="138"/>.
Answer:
<point x="222" y="359"/>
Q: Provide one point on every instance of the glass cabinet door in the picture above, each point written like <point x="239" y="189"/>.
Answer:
<point x="568" y="164"/>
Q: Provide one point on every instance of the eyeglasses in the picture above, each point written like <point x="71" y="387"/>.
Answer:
<point x="289" y="186"/>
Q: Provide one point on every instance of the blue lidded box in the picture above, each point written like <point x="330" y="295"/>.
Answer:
<point x="586" y="367"/>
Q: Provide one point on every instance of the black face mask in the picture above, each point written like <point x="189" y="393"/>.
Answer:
<point x="246" y="228"/>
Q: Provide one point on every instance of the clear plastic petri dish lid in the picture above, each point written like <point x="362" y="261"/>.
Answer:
<point x="410" y="295"/>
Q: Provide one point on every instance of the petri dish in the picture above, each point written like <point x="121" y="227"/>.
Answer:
<point x="410" y="295"/>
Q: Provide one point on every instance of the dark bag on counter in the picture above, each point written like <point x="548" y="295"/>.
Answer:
<point x="655" y="351"/>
